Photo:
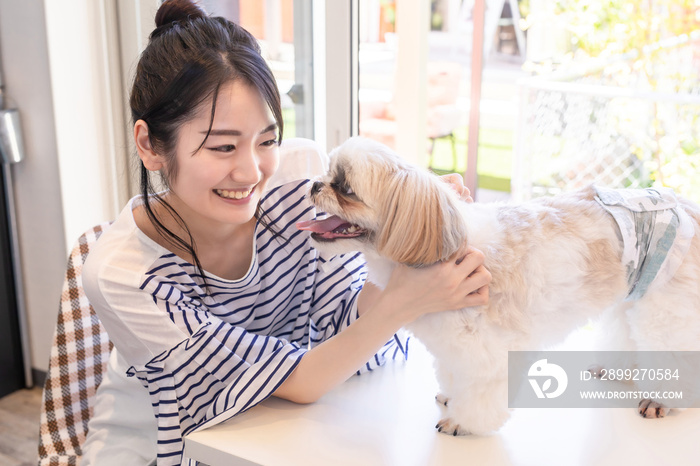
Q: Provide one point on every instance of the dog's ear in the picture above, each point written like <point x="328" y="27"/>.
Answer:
<point x="421" y="222"/>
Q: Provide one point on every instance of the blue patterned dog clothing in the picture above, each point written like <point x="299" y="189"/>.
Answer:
<point x="655" y="234"/>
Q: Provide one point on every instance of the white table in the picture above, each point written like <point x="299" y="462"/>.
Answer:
<point x="388" y="418"/>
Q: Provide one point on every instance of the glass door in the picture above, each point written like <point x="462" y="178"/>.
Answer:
<point x="284" y="30"/>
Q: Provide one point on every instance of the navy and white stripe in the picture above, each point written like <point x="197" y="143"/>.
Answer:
<point x="247" y="336"/>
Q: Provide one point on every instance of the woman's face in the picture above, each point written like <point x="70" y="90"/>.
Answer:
<point x="223" y="182"/>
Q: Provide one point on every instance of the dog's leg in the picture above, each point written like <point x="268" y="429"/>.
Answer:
<point x="445" y="380"/>
<point x="650" y="409"/>
<point x="665" y="324"/>
<point x="481" y="409"/>
<point x="478" y="400"/>
<point x="611" y="333"/>
<point x="615" y="336"/>
<point x="442" y="399"/>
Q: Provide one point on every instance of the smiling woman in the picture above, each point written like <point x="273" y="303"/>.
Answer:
<point x="228" y="160"/>
<point x="171" y="87"/>
<point x="213" y="299"/>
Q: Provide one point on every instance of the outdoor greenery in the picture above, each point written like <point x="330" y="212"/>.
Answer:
<point x="651" y="46"/>
<point x="495" y="157"/>
<point x="613" y="27"/>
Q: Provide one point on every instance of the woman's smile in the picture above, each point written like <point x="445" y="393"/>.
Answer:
<point x="222" y="180"/>
<point x="235" y="194"/>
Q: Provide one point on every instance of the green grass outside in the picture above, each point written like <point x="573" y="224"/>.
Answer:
<point x="288" y="117"/>
<point x="495" y="157"/>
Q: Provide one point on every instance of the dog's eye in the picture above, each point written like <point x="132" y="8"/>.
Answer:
<point x="343" y="189"/>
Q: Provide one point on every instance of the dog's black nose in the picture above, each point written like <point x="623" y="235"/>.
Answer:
<point x="316" y="187"/>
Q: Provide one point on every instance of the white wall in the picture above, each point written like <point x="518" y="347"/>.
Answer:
<point x="37" y="188"/>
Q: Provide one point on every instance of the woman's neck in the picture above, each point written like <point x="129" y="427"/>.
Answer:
<point x="223" y="250"/>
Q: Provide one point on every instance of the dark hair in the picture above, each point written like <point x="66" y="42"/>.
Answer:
<point x="190" y="55"/>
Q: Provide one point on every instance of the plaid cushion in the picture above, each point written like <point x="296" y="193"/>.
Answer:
<point x="79" y="356"/>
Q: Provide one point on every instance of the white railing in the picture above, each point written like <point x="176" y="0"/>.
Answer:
<point x="610" y="124"/>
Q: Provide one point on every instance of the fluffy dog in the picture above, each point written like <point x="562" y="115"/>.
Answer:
<point x="556" y="262"/>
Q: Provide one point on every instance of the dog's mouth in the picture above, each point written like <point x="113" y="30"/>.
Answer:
<point x="331" y="228"/>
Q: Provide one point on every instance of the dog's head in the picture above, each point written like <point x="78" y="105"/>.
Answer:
<point x="377" y="202"/>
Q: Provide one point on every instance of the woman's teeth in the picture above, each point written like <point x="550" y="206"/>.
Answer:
<point x="233" y="194"/>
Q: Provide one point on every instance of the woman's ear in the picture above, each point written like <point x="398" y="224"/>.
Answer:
<point x="151" y="160"/>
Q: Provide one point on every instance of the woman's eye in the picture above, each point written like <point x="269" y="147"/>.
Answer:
<point x="223" y="148"/>
<point x="270" y="142"/>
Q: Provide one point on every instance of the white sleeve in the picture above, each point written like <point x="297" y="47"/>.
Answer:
<point x="300" y="159"/>
<point x="195" y="377"/>
<point x="122" y="429"/>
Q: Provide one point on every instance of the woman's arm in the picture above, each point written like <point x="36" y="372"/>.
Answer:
<point x="409" y="294"/>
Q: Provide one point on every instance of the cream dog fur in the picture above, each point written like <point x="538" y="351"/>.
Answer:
<point x="555" y="263"/>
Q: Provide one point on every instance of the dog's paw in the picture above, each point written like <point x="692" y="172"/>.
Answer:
<point x="596" y="371"/>
<point x="442" y="399"/>
<point x="449" y="427"/>
<point x="650" y="409"/>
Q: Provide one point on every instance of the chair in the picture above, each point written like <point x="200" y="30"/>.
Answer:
<point x="81" y="348"/>
<point x="79" y="355"/>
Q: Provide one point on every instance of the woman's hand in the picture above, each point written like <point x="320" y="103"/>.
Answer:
<point x="456" y="182"/>
<point x="449" y="285"/>
<point x="410" y="293"/>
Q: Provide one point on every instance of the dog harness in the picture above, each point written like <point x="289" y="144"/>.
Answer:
<point x="655" y="234"/>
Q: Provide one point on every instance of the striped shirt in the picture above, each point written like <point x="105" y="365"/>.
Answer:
<point x="205" y="356"/>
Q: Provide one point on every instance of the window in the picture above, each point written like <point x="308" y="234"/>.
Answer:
<point x="284" y="30"/>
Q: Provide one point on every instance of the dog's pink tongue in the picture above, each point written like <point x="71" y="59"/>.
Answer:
<point x="321" y="226"/>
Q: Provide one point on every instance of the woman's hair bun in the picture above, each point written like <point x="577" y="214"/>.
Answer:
<point x="178" y="10"/>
